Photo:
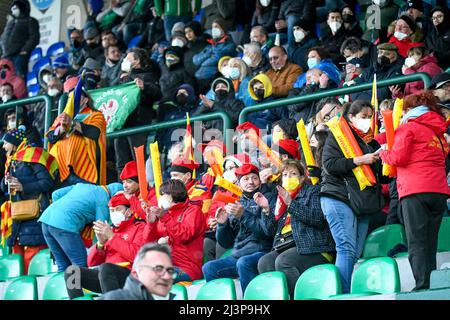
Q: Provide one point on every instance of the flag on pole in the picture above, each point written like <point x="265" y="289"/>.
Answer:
<point x="188" y="145"/>
<point x="374" y="102"/>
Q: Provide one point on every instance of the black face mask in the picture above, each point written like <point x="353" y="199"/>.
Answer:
<point x="181" y="99"/>
<point x="91" y="80"/>
<point x="348" y="18"/>
<point x="3" y="74"/>
<point x="92" y="44"/>
<point x="250" y="194"/>
<point x="221" y="94"/>
<point x="383" y="61"/>
<point x="259" y="93"/>
<point x="76" y="44"/>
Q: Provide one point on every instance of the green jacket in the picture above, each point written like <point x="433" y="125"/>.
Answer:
<point x="176" y="7"/>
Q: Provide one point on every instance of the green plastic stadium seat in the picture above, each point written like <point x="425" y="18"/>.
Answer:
<point x="23" y="288"/>
<point x="86" y="297"/>
<point x="218" y="289"/>
<point x="383" y="239"/>
<point x="444" y="235"/>
<point x="318" y="282"/>
<point x="4" y="251"/>
<point x="55" y="289"/>
<point x="180" y="292"/>
<point x="201" y="281"/>
<point x="11" y="266"/>
<point x="267" y="286"/>
<point x="226" y="253"/>
<point x="42" y="264"/>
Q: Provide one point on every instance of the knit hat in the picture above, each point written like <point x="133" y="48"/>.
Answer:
<point x="415" y="4"/>
<point x="92" y="64"/>
<point x="15" y="136"/>
<point x="90" y="33"/>
<point x="245" y="170"/>
<point x="247" y="126"/>
<point x="387" y="46"/>
<point x="304" y="24"/>
<point x="409" y="21"/>
<point x="183" y="165"/>
<point x="119" y="200"/>
<point x="61" y="62"/>
<point x="177" y="27"/>
<point x="130" y="172"/>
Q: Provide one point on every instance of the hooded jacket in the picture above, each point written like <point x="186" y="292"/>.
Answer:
<point x="19" y="86"/>
<point x="20" y="34"/>
<point x="427" y="64"/>
<point x="193" y="47"/>
<point x="419" y="153"/>
<point x="438" y="41"/>
<point x="284" y="79"/>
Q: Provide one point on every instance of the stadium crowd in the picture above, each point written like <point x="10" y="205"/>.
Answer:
<point x="198" y="57"/>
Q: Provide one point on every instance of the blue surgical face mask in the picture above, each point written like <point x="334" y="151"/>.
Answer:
<point x="312" y="62"/>
<point x="234" y="73"/>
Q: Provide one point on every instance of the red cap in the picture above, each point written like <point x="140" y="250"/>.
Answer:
<point x="291" y="147"/>
<point x="246" y="169"/>
<point x="70" y="83"/>
<point x="183" y="165"/>
<point x="119" y="200"/>
<point x="247" y="126"/>
<point x="213" y="143"/>
<point x="239" y="159"/>
<point x="129" y="171"/>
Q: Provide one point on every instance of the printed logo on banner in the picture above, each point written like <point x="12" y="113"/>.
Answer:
<point x="109" y="109"/>
<point x="43" y="5"/>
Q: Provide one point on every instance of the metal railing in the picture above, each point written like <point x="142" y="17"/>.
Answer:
<point x="334" y="92"/>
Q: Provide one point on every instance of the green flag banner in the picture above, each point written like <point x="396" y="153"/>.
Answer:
<point x="116" y="103"/>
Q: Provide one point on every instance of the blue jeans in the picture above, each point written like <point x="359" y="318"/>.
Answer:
<point x="182" y="276"/>
<point x="20" y="64"/>
<point x="67" y="247"/>
<point x="169" y="22"/>
<point x="246" y="268"/>
<point x="349" y="233"/>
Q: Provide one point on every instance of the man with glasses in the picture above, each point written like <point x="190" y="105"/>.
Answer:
<point x="327" y="108"/>
<point x="151" y="277"/>
<point x="438" y="40"/>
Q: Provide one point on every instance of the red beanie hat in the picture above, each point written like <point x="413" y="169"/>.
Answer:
<point x="289" y="147"/>
<point x="183" y="165"/>
<point x="247" y="126"/>
<point x="129" y="171"/>
<point x="246" y="169"/>
<point x="119" y="199"/>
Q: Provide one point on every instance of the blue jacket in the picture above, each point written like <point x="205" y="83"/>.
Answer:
<point x="309" y="226"/>
<point x="328" y="67"/>
<point x="246" y="235"/>
<point x="75" y="206"/>
<point x="36" y="180"/>
<point x="207" y="59"/>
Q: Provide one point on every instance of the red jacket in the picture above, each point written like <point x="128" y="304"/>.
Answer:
<point x="136" y="207"/>
<point x="19" y="86"/>
<point x="185" y="226"/>
<point x="427" y="64"/>
<point x="122" y="247"/>
<point x="419" y="156"/>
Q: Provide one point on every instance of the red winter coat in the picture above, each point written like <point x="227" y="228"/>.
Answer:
<point x="427" y="64"/>
<point x="419" y="156"/>
<point x="19" y="86"/>
<point x="122" y="247"/>
<point x="185" y="226"/>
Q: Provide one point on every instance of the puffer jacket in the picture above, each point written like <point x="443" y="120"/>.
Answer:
<point x="36" y="181"/>
<point x="427" y="64"/>
<point x="19" y="86"/>
<point x="20" y="34"/>
<point x="246" y="235"/>
<point x="206" y="60"/>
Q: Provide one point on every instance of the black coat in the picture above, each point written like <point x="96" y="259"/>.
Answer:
<point x="438" y="42"/>
<point x="20" y="34"/>
<point x="153" y="33"/>
<point x="297" y="53"/>
<point x="333" y="43"/>
<point x="303" y="8"/>
<point x="267" y="16"/>
<point x="192" y="49"/>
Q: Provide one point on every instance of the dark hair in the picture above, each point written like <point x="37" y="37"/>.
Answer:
<point x="321" y="51"/>
<point x="289" y="127"/>
<point x="22" y="116"/>
<point x="141" y="55"/>
<point x="262" y="30"/>
<point x="356" y="108"/>
<point x="352" y="43"/>
<point x="107" y="32"/>
<point x="111" y="46"/>
<point x="327" y="100"/>
<point x="150" y="247"/>
<point x="335" y="10"/>
<point x="422" y="51"/>
<point x="321" y="137"/>
<point x="7" y="84"/>
<point x="296" y="163"/>
<point x="176" y="189"/>
<point x="424" y="98"/>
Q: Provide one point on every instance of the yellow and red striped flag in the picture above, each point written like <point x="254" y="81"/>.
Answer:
<point x="6" y="222"/>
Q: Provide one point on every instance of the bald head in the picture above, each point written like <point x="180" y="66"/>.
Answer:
<point x="277" y="57"/>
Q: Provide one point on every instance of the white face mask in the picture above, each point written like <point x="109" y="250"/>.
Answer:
<point x="264" y="3"/>
<point x="216" y="33"/>
<point x="409" y="62"/>
<point x="334" y="26"/>
<point x="363" y="124"/>
<point x="349" y="58"/>
<point x="126" y="65"/>
<point x="53" y="92"/>
<point x="46" y="78"/>
<point x="312" y="62"/>
<point x="299" y="35"/>
<point x="12" y="124"/>
<point x="117" y="218"/>
<point x="15" y="12"/>
<point x="400" y="35"/>
<point x="230" y="176"/>
<point x="379" y="3"/>
<point x="177" y="43"/>
<point x="225" y="71"/>
<point x="234" y="73"/>
<point x="6" y="97"/>
<point x="165" y="202"/>
<point x="248" y="61"/>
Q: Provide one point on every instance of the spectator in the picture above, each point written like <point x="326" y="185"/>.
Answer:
<point x="91" y="72"/>
<point x="266" y="14"/>
<point x="6" y="94"/>
<point x="440" y="85"/>
<point x="247" y="146"/>
<point x="20" y="37"/>
<point x="388" y="65"/>
<point x="224" y="101"/>
<point x="109" y="38"/>
<point x="137" y="67"/>
<point x="182" y="224"/>
<point x="283" y="73"/>
<point x="77" y="44"/>
<point x="93" y="48"/>
<point x="175" y="11"/>
<point x="8" y="74"/>
<point x="423" y="197"/>
<point x="402" y="37"/>
<point x="15" y="118"/>
<point x="305" y="38"/>
<point x="419" y="61"/>
<point x="83" y="137"/>
<point x="206" y="60"/>
<point x="26" y="179"/>
<point x="255" y="60"/>
<point x="153" y="32"/>
<point x="309" y="242"/>
<point x="173" y="73"/>
<point x="260" y="89"/>
<point x="438" y="41"/>
<point x="43" y="76"/>
<point x="112" y="67"/>
<point x="113" y="253"/>
<point x="239" y="225"/>
<point x="259" y="34"/>
<point x="62" y="68"/>
<point x="291" y="11"/>
<point x="327" y="108"/>
<point x="240" y="77"/>
<point x="134" y="22"/>
<point x="334" y="35"/>
<point x="114" y="14"/>
<point x="351" y="24"/>
<point x="348" y="227"/>
<point x="178" y="39"/>
<point x="206" y="172"/>
<point x="151" y="277"/>
<point x="356" y="48"/>
<point x="224" y="10"/>
<point x="378" y="17"/>
<point x="415" y="10"/>
<point x="284" y="129"/>
<point x="196" y="42"/>
<point x="353" y="69"/>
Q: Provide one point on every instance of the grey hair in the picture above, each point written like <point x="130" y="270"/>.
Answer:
<point x="253" y="47"/>
<point x="150" y="247"/>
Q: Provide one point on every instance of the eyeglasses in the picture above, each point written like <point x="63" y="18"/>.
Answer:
<point x="161" y="270"/>
<point x="273" y="58"/>
<point x="230" y="168"/>
<point x="437" y="17"/>
<point x="327" y="117"/>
